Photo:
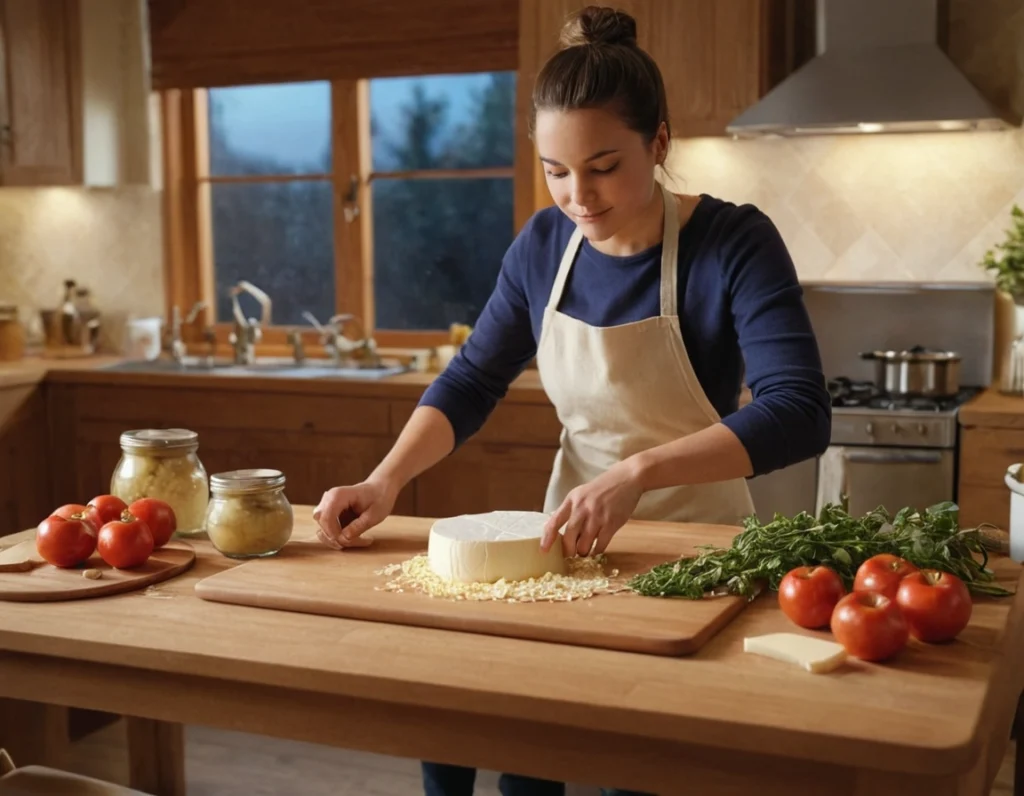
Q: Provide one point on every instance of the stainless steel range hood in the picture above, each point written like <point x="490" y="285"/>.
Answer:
<point x="879" y="68"/>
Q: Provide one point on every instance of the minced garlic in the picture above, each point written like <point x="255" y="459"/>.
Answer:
<point x="585" y="577"/>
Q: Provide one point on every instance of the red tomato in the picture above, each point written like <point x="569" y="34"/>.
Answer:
<point x="125" y="543"/>
<point x="158" y="516"/>
<point x="882" y="573"/>
<point x="937" y="605"/>
<point x="109" y="507"/>
<point x="869" y="625"/>
<point x="68" y="510"/>
<point x="65" y="542"/>
<point x="807" y="595"/>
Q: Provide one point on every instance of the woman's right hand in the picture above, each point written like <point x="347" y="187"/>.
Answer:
<point x="345" y="513"/>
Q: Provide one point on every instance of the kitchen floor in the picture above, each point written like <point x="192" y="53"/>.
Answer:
<point x="223" y="763"/>
<point x="220" y="763"/>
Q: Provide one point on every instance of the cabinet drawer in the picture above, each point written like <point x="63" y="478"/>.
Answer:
<point x="984" y="504"/>
<point x="985" y="453"/>
<point x="517" y="424"/>
<point x="482" y="477"/>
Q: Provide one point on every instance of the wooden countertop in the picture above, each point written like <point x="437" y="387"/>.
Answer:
<point x="930" y="713"/>
<point x="525" y="389"/>
<point x="32" y="370"/>
<point x="992" y="408"/>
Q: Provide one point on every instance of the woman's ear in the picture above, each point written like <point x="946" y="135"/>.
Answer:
<point x="660" y="144"/>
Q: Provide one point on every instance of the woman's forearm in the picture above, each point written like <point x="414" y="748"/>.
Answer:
<point x="425" y="440"/>
<point x="712" y="454"/>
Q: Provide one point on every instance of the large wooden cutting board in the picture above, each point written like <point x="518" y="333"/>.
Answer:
<point x="309" y="578"/>
<point x="38" y="581"/>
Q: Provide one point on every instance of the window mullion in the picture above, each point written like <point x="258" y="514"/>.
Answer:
<point x="350" y="202"/>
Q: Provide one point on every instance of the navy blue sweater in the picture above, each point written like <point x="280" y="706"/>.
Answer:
<point x="740" y="304"/>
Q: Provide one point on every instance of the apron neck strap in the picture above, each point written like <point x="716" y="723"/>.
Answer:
<point x="669" y="255"/>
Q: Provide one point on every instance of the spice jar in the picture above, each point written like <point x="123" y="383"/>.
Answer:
<point x="249" y="515"/>
<point x="163" y="464"/>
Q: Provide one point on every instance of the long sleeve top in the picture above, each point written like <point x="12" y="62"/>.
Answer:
<point x="741" y="311"/>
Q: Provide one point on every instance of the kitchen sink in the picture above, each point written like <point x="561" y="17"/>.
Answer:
<point x="187" y="365"/>
<point x="310" y="370"/>
<point x="285" y="368"/>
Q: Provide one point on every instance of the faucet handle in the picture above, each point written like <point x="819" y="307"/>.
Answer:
<point x="198" y="307"/>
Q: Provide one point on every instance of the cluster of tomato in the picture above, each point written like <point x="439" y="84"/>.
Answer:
<point x="891" y="601"/>
<point x="125" y="536"/>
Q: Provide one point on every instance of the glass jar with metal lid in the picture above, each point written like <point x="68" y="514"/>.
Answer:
<point x="249" y="515"/>
<point x="162" y="463"/>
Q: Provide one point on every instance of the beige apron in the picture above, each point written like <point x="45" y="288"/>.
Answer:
<point x="620" y="390"/>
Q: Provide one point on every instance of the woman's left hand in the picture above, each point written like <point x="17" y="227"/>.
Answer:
<point x="594" y="512"/>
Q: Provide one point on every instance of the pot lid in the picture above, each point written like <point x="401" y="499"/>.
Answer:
<point x="915" y="354"/>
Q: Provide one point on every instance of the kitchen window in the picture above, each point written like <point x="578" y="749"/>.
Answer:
<point x="390" y="199"/>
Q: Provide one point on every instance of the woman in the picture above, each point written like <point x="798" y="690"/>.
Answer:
<point x="642" y="309"/>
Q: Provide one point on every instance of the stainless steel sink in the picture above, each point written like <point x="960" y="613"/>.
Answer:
<point x="270" y="367"/>
<point x="319" y="370"/>
<point x="188" y="365"/>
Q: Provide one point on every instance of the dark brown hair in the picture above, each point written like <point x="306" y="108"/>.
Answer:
<point x="600" y="65"/>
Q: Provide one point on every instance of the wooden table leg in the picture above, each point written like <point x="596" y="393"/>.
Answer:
<point x="33" y="733"/>
<point x="1018" y="758"/>
<point x="156" y="756"/>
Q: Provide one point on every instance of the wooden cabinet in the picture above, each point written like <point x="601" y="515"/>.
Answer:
<point x="717" y="57"/>
<point x="991" y="439"/>
<point x="39" y="103"/>
<point x="25" y="493"/>
<point x="75" y="106"/>
<point x="985" y="453"/>
<point x="318" y="441"/>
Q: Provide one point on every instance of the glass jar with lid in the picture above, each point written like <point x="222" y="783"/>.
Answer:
<point x="162" y="463"/>
<point x="249" y="515"/>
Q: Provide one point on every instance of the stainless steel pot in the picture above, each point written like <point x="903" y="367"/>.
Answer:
<point x="916" y="372"/>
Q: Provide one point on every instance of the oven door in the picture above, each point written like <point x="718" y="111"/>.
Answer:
<point x="890" y="477"/>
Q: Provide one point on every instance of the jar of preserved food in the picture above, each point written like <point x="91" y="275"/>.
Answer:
<point x="162" y="463"/>
<point x="249" y="515"/>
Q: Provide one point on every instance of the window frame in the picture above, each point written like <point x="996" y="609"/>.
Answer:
<point x="188" y="233"/>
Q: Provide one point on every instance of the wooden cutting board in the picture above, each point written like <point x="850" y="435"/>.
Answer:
<point x="309" y="578"/>
<point x="25" y="577"/>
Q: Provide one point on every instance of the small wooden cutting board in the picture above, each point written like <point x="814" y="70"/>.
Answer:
<point x="309" y="578"/>
<point x="25" y="577"/>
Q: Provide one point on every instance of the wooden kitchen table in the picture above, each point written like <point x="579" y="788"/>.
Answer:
<point x="935" y="721"/>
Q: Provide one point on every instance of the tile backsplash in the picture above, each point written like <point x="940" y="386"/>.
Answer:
<point x="107" y="240"/>
<point x="914" y="207"/>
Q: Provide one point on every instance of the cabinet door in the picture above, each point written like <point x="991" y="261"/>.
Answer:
<point x="985" y="454"/>
<point x="38" y="64"/>
<point x="25" y="495"/>
<point x="482" y="477"/>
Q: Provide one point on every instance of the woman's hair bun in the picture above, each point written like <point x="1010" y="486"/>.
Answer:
<point x="599" y="25"/>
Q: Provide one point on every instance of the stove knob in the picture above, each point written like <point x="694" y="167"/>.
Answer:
<point x="922" y="429"/>
<point x="869" y="429"/>
<point x="895" y="428"/>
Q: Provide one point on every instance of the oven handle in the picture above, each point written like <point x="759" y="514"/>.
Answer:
<point x="894" y="457"/>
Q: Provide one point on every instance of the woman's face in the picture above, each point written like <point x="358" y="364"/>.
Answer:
<point x="599" y="171"/>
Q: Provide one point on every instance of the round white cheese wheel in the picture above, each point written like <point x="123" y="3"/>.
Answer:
<point x="484" y="548"/>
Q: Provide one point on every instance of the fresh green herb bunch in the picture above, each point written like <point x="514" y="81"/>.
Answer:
<point x="1008" y="268"/>
<point x="762" y="554"/>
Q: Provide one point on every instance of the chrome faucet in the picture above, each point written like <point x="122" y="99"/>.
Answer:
<point x="177" y="345"/>
<point x="298" y="350"/>
<point x="247" y="332"/>
<point x="338" y="346"/>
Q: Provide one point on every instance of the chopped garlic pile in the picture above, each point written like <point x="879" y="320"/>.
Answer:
<point x="585" y="578"/>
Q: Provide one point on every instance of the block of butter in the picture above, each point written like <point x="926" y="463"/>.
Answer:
<point x="813" y="654"/>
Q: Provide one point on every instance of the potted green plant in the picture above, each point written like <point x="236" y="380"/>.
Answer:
<point x="1008" y="269"/>
<point x="1008" y="265"/>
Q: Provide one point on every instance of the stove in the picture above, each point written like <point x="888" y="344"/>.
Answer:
<point x="863" y="414"/>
